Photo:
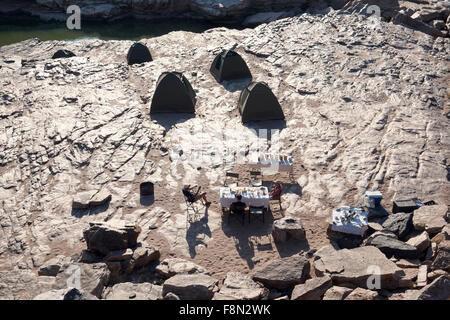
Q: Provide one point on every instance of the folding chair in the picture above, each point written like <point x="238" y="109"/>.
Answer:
<point x="275" y="195"/>
<point x="193" y="206"/>
<point x="255" y="178"/>
<point x="258" y="211"/>
<point x="234" y="176"/>
<point x="236" y="212"/>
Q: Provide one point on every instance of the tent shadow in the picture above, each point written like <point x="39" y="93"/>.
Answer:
<point x="235" y="85"/>
<point x="168" y="120"/>
<point x="79" y="213"/>
<point x="267" y="125"/>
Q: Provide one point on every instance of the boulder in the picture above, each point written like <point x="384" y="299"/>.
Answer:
<point x="422" y="276"/>
<point x="63" y="54"/>
<point x="421" y="241"/>
<point x="284" y="273"/>
<point x="446" y="231"/>
<point x="352" y="267"/>
<point x="393" y="247"/>
<point x="52" y="266"/>
<point x="86" y="199"/>
<point x="238" y="286"/>
<point x="362" y="294"/>
<point x="442" y="259"/>
<point x="312" y="289"/>
<point x="399" y="223"/>
<point x="65" y="294"/>
<point x="439" y="289"/>
<point x="90" y="278"/>
<point x="119" y="255"/>
<point x="408" y="263"/>
<point x="287" y="227"/>
<point x="191" y="286"/>
<point x="105" y="237"/>
<point x="337" y="293"/>
<point x="142" y="256"/>
<point x="436" y="274"/>
<point x="173" y="266"/>
<point x="134" y="291"/>
<point x="430" y="218"/>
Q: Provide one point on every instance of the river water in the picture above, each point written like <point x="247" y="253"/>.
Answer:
<point x="15" y="30"/>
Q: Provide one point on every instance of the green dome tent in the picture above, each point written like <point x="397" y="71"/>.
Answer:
<point x="138" y="53"/>
<point x="258" y="103"/>
<point x="229" y="65"/>
<point x="173" y="93"/>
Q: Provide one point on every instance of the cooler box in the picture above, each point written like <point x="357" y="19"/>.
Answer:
<point x="375" y="197"/>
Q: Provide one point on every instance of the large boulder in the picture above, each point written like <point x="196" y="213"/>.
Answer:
<point x="312" y="289"/>
<point x="86" y="199"/>
<point x="238" y="286"/>
<point x="353" y="267"/>
<point x="442" y="259"/>
<point x="90" y="278"/>
<point x="144" y="255"/>
<point x="173" y="266"/>
<point x="430" y="218"/>
<point x="134" y="291"/>
<point x="421" y="241"/>
<point x="105" y="237"/>
<point x="287" y="227"/>
<point x="399" y="223"/>
<point x="284" y="273"/>
<point x="337" y="293"/>
<point x="393" y="247"/>
<point x="51" y="267"/>
<point x="62" y="53"/>
<point x="191" y="286"/>
<point x="362" y="294"/>
<point x="65" y="294"/>
<point x="439" y="289"/>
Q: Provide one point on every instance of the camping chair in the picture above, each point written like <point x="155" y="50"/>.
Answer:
<point x="255" y="178"/>
<point x="275" y="194"/>
<point x="259" y="212"/>
<point x="232" y="184"/>
<point x="191" y="205"/>
<point x="236" y="212"/>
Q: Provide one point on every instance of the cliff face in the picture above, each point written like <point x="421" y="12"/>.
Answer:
<point x="365" y="109"/>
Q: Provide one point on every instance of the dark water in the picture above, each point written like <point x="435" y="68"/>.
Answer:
<point x="15" y="30"/>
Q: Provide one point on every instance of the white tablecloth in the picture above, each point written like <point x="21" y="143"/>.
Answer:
<point x="355" y="224"/>
<point x="250" y="197"/>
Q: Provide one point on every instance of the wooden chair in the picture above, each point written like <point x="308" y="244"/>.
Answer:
<point x="234" y="177"/>
<point x="255" y="178"/>
<point x="258" y="212"/>
<point x="275" y="194"/>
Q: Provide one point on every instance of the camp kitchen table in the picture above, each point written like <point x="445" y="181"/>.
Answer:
<point x="273" y="163"/>
<point x="251" y="196"/>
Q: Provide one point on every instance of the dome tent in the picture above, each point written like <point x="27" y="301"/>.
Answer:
<point x="257" y="103"/>
<point x="173" y="93"/>
<point x="138" y="53"/>
<point x="229" y="65"/>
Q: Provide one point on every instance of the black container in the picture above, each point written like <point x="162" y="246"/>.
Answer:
<point x="406" y="206"/>
<point x="147" y="188"/>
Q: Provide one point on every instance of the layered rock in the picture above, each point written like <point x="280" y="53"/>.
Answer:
<point x="191" y="286"/>
<point x="312" y="289"/>
<point x="284" y="273"/>
<point x="353" y="267"/>
<point x="238" y="286"/>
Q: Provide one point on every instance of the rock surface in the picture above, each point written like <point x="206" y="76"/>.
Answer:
<point x="191" y="286"/>
<point x="312" y="289"/>
<point x="134" y="291"/>
<point x="364" y="108"/>
<point x="173" y="266"/>
<point x="393" y="247"/>
<point x="352" y="267"/>
<point x="106" y="237"/>
<point x="362" y="294"/>
<point x="284" y="273"/>
<point x="430" y="218"/>
<point x="337" y="293"/>
<point x="287" y="227"/>
<point x="238" y="286"/>
<point x="400" y="224"/>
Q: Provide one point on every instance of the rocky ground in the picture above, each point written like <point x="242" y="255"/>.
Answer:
<point x="366" y="109"/>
